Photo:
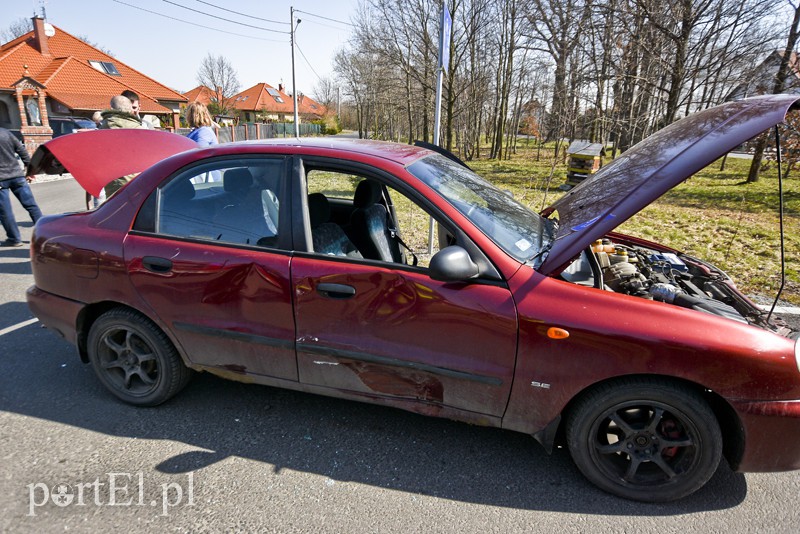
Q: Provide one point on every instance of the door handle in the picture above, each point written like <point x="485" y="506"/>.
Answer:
<point x="156" y="264"/>
<point x="336" y="291"/>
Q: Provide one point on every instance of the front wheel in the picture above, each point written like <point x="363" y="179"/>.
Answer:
<point x="646" y="440"/>
<point x="134" y="359"/>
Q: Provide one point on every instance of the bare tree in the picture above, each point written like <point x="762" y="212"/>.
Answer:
<point x="218" y="74"/>
<point x="557" y="27"/>
<point x="780" y="83"/>
<point x="507" y="44"/>
<point x="17" y="28"/>
<point x="604" y="69"/>
<point x="326" y="92"/>
<point x="85" y="39"/>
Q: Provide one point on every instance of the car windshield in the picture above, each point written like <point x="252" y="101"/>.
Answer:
<point x="523" y="234"/>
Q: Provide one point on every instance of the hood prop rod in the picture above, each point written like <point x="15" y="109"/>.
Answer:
<point x="780" y="203"/>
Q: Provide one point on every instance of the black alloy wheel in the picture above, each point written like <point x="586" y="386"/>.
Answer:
<point x="646" y="440"/>
<point x="134" y="359"/>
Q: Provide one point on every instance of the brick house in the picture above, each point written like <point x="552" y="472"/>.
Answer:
<point x="48" y="72"/>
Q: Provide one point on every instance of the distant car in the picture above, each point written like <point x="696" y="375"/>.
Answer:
<point x="302" y="264"/>
<point x="66" y="125"/>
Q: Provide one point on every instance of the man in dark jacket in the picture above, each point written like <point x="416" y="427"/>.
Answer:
<point x="12" y="178"/>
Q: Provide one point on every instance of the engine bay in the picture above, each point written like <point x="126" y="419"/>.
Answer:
<point x="630" y="268"/>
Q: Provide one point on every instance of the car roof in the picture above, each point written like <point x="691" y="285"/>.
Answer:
<point x="399" y="153"/>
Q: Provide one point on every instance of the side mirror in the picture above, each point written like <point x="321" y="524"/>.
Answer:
<point x="452" y="264"/>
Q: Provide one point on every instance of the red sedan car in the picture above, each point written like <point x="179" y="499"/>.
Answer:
<point x="304" y="264"/>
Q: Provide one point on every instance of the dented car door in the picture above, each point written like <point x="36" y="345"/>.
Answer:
<point x="212" y="267"/>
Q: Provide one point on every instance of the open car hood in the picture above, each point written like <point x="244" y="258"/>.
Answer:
<point x="653" y="167"/>
<point x="95" y="158"/>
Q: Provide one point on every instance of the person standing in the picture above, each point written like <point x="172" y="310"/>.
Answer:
<point x="120" y="115"/>
<point x="12" y="179"/>
<point x="134" y="98"/>
<point x="199" y="120"/>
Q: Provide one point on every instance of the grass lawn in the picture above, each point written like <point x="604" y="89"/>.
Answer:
<point x="714" y="215"/>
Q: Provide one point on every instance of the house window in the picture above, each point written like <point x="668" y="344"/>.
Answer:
<point x="5" y="116"/>
<point x="105" y="66"/>
<point x="274" y="94"/>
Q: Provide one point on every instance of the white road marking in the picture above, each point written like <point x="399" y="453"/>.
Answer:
<point x="17" y="326"/>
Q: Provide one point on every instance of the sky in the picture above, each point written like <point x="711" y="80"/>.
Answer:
<point x="170" y="51"/>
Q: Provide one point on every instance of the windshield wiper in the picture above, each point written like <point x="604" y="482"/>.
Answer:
<point x="551" y="229"/>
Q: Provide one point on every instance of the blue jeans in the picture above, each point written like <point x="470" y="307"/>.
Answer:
<point x="19" y="186"/>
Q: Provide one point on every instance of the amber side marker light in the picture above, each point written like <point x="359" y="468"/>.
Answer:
<point x="557" y="333"/>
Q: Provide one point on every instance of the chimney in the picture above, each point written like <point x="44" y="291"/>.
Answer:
<point x="280" y="87"/>
<point x="39" y="37"/>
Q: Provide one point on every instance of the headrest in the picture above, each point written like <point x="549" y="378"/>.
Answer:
<point x="180" y="191"/>
<point x="319" y="211"/>
<point x="367" y="193"/>
<point x="237" y="180"/>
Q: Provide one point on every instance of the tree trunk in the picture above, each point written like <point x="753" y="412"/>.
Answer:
<point x="780" y="82"/>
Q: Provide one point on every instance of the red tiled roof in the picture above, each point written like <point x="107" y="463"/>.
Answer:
<point x="81" y="87"/>
<point x="201" y="94"/>
<point x="66" y="72"/>
<point x="308" y="105"/>
<point x="258" y="98"/>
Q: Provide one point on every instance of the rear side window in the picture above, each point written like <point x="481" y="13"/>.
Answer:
<point x="229" y="201"/>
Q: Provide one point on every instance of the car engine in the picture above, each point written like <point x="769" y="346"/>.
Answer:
<point x="674" y="278"/>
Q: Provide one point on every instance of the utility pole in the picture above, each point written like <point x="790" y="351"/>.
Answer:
<point x="292" y="28"/>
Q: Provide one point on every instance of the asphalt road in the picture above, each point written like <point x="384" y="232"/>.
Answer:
<point x="234" y="457"/>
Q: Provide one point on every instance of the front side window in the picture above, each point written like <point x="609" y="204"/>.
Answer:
<point x="231" y="201"/>
<point x="357" y="216"/>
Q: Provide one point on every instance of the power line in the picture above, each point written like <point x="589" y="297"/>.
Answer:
<point x="324" y="25"/>
<point x="242" y="14"/>
<point x="321" y="17"/>
<point x="197" y="25"/>
<point x="222" y="18"/>
<point x="308" y="62"/>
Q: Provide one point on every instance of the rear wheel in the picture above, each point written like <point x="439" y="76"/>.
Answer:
<point x="134" y="359"/>
<point x="646" y="440"/>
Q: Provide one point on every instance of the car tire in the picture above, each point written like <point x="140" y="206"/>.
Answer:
<point x="134" y="359"/>
<point x="644" y="439"/>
